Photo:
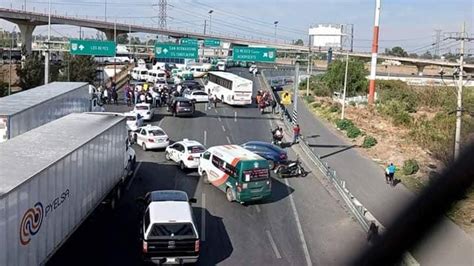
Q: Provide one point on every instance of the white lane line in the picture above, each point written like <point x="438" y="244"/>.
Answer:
<point x="133" y="177"/>
<point x="258" y="208"/>
<point x="203" y="218"/>
<point x="220" y="120"/>
<point x="300" y="229"/>
<point x="272" y="242"/>
<point x="205" y="137"/>
<point x="215" y="110"/>
<point x="223" y="128"/>
<point x="161" y="121"/>
<point x="228" y="140"/>
<point x="235" y="116"/>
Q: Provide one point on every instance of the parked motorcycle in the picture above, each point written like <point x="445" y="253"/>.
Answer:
<point x="291" y="169"/>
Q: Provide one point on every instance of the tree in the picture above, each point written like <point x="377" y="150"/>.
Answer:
<point x="396" y="51"/>
<point x="32" y="73"/>
<point x="450" y="57"/>
<point x="298" y="42"/>
<point x="413" y="55"/>
<point x="427" y="55"/>
<point x="356" y="79"/>
<point x="122" y="38"/>
<point x="78" y="68"/>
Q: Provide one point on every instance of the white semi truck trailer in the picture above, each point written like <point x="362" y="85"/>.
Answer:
<point x="28" y="109"/>
<point x="53" y="177"/>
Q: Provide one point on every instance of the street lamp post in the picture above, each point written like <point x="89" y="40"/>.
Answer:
<point x="46" y="54"/>
<point x="275" y="23"/>
<point x="210" y="20"/>
<point x="345" y="86"/>
<point x="10" y="74"/>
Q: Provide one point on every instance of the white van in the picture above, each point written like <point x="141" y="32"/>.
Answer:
<point x="142" y="74"/>
<point x="156" y="75"/>
<point x="200" y="71"/>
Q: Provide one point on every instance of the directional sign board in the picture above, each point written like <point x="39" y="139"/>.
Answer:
<point x="212" y="42"/>
<point x="85" y="47"/>
<point x="255" y="54"/>
<point x="166" y="50"/>
<point x="188" y="41"/>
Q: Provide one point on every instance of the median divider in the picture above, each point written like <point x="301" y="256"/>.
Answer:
<point x="362" y="215"/>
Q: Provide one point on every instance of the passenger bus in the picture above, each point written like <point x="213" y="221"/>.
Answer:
<point x="229" y="88"/>
<point x="243" y="175"/>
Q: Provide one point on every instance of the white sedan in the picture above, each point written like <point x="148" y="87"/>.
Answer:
<point x="186" y="153"/>
<point x="134" y="121"/>
<point x="145" y="110"/>
<point x="198" y="96"/>
<point x="151" y="137"/>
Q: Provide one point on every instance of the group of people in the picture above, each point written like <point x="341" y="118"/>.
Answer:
<point x="157" y="95"/>
<point x="108" y="94"/>
<point x="277" y="134"/>
<point x="264" y="99"/>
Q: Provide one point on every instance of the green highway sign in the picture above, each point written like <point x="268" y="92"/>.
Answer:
<point x="188" y="41"/>
<point x="166" y="50"/>
<point x="254" y="54"/>
<point x="212" y="42"/>
<point x="85" y="47"/>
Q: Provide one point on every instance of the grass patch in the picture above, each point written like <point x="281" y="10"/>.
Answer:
<point x="369" y="142"/>
<point x="411" y="182"/>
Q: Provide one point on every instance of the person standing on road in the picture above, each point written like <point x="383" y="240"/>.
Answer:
<point x="389" y="173"/>
<point x="274" y="104"/>
<point x="296" y="133"/>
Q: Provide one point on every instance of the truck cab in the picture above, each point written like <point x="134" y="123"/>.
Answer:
<point x="167" y="230"/>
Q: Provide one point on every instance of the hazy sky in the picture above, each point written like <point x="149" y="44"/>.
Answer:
<point x="409" y="23"/>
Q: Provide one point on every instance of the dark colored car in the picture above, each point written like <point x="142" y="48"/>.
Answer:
<point x="274" y="154"/>
<point x="277" y="88"/>
<point x="191" y="84"/>
<point x="181" y="106"/>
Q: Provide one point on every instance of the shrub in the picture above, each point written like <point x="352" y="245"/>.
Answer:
<point x="369" y="142"/>
<point x="334" y="108"/>
<point x="396" y="111"/>
<point x="352" y="103"/>
<point x="309" y="99"/>
<point x="353" y="132"/>
<point x="410" y="167"/>
<point x="398" y="91"/>
<point x="344" y="124"/>
<point x="317" y="105"/>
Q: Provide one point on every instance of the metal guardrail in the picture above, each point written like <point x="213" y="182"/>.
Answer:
<point x="363" y="216"/>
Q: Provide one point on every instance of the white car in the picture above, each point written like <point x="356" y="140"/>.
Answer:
<point x="186" y="153"/>
<point x="134" y="121"/>
<point x="198" y="96"/>
<point x="145" y="110"/>
<point x="252" y="68"/>
<point x="151" y="137"/>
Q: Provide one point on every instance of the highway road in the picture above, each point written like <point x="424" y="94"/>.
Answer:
<point x="301" y="224"/>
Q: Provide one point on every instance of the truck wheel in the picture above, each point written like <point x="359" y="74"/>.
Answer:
<point x="229" y="195"/>
<point x="144" y="146"/>
<point x="204" y="178"/>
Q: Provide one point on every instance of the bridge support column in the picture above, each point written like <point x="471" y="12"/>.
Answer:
<point x="420" y="69"/>
<point x="26" y="33"/>
<point x="109" y="34"/>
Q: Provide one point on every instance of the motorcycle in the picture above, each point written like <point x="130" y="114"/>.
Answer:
<point x="277" y="139"/>
<point x="291" y="169"/>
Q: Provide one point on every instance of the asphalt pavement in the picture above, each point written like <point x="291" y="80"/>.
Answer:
<point x="448" y="245"/>
<point x="301" y="224"/>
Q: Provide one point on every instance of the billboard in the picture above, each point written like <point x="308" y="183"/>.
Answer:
<point x="326" y="35"/>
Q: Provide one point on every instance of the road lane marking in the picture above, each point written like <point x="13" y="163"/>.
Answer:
<point x="161" y="121"/>
<point x="223" y="128"/>
<point x="258" y="208"/>
<point x="228" y="140"/>
<point x="133" y="177"/>
<point x="203" y="218"/>
<point x="215" y="110"/>
<point x="205" y="137"/>
<point x="235" y="116"/>
<point x="272" y="242"/>
<point x="298" y="225"/>
<point x="220" y="120"/>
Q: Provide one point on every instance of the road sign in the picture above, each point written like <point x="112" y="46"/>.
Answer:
<point x="285" y="97"/>
<point x="188" y="41"/>
<point x="85" y="47"/>
<point x="166" y="50"/>
<point x="212" y="42"/>
<point x="254" y="54"/>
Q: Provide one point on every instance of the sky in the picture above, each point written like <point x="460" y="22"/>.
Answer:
<point x="407" y="23"/>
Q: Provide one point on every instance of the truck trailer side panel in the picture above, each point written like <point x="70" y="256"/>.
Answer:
<point x="63" y="181"/>
<point x="26" y="110"/>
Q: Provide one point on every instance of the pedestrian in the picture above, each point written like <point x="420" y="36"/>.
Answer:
<point x="115" y="96"/>
<point x="142" y="97"/>
<point x="215" y="99"/>
<point x="106" y="96"/>
<point x="390" y="173"/>
<point x="274" y="104"/>
<point x="210" y="102"/>
<point x="135" y="95"/>
<point x="296" y="133"/>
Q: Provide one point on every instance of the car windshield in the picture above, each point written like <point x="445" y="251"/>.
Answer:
<point x="156" y="132"/>
<point x="178" y="230"/>
<point x="200" y="93"/>
<point x="196" y="149"/>
<point x="168" y="196"/>
<point x="141" y="107"/>
<point x="184" y="104"/>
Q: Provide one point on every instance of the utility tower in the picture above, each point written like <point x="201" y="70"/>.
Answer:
<point x="163" y="4"/>
<point x="437" y="42"/>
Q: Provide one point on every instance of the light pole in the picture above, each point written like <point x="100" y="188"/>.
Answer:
<point x="10" y="74"/>
<point x="46" y="54"/>
<point x="210" y="20"/>
<point x="275" y="23"/>
<point x="345" y="86"/>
